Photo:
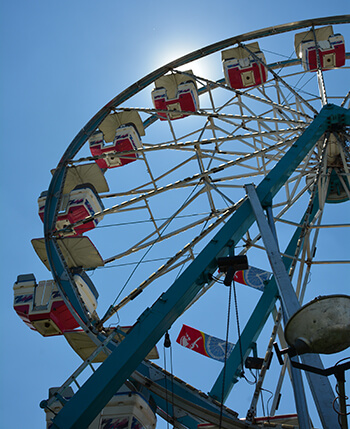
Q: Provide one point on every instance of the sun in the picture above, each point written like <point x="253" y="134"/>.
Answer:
<point x="165" y="54"/>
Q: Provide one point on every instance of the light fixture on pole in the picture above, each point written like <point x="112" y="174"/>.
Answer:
<point x="321" y="326"/>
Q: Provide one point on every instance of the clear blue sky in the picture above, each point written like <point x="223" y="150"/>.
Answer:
<point x="61" y="62"/>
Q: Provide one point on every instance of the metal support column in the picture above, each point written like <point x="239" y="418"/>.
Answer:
<point x="321" y="389"/>
<point x="256" y="321"/>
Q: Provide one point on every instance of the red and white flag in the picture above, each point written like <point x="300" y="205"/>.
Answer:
<point x="253" y="277"/>
<point x="204" y="344"/>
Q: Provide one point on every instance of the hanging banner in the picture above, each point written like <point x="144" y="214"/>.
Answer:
<point x="204" y="344"/>
<point x="253" y="277"/>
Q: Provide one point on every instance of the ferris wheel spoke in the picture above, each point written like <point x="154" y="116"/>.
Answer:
<point x="149" y="170"/>
<point x="345" y="158"/>
<point x="146" y="242"/>
<point x="315" y="188"/>
<point x="309" y="253"/>
<point x="342" y="181"/>
<point x="254" y="97"/>
<point x="283" y="81"/>
<point x="291" y="199"/>
<point x="190" y="145"/>
<point x="179" y="184"/>
<point x="346" y="98"/>
<point x="320" y="78"/>
<point x="286" y="366"/>
<point x="282" y="100"/>
<point x="208" y="188"/>
<point x="164" y="269"/>
<point x="228" y="117"/>
<point x="161" y="236"/>
<point x="277" y="112"/>
<point x="125" y="205"/>
<point x="173" y="262"/>
<point x="142" y="190"/>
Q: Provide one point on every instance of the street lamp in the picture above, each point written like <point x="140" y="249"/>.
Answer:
<point x="321" y="326"/>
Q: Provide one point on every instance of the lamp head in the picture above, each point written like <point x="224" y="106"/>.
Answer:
<point x="321" y="326"/>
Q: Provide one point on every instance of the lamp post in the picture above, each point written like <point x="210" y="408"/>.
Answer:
<point x="321" y="326"/>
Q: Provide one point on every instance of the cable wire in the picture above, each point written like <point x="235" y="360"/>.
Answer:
<point x="111" y="310"/>
<point x="226" y="350"/>
<point x="238" y="327"/>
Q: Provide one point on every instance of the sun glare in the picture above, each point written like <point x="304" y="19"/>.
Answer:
<point x="202" y="67"/>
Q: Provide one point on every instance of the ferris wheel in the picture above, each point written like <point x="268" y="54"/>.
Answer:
<point x="227" y="168"/>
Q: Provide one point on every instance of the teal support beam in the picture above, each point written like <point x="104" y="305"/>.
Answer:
<point x="89" y="400"/>
<point x="167" y="389"/>
<point x="179" y="402"/>
<point x="255" y="323"/>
